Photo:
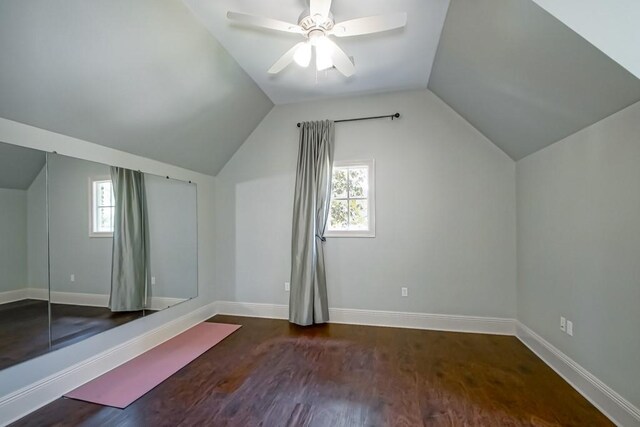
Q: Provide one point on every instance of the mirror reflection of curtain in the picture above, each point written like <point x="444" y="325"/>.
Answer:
<point x="130" y="259"/>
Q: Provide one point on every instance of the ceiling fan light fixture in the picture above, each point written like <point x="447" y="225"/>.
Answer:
<point x="316" y="24"/>
<point x="323" y="54"/>
<point x="303" y="55"/>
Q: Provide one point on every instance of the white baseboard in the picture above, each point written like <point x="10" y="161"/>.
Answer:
<point x="160" y="303"/>
<point x="13" y="296"/>
<point x="249" y="309"/>
<point x="439" y="322"/>
<point x="100" y="300"/>
<point x="76" y="298"/>
<point x="73" y="298"/>
<point x="41" y="294"/>
<point x="610" y="403"/>
<point x="21" y="402"/>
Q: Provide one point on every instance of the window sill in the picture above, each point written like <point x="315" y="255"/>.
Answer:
<point x="350" y="234"/>
<point x="101" y="235"/>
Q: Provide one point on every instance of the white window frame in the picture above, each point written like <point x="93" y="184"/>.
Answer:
<point x="92" y="207"/>
<point x="371" y="198"/>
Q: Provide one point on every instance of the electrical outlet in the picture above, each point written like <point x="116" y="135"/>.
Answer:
<point x="73" y="277"/>
<point x="405" y="292"/>
<point x="153" y="280"/>
<point x="563" y="323"/>
<point x="287" y="286"/>
<point x="570" y="327"/>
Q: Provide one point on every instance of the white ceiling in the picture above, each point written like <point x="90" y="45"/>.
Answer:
<point x="141" y="76"/>
<point x="522" y="77"/>
<point x="394" y="60"/>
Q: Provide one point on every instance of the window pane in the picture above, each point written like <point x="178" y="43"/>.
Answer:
<point x="358" y="215"/>
<point x="339" y="215"/>
<point x="339" y="183"/>
<point x="358" y="182"/>
<point x="104" y="193"/>
<point x="104" y="220"/>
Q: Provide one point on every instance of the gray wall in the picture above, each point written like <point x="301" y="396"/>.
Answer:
<point x="37" y="268"/>
<point x="173" y="237"/>
<point x="72" y="250"/>
<point x="13" y="239"/>
<point x="445" y="211"/>
<point x="579" y="247"/>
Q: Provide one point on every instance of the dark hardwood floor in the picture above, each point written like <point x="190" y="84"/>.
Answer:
<point x="271" y="373"/>
<point x="73" y="323"/>
<point x="24" y="331"/>
<point x="24" y="327"/>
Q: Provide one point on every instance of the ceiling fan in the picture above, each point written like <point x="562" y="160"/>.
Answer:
<point x="316" y="25"/>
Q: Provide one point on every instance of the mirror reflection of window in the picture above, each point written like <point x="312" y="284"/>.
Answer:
<point x="102" y="208"/>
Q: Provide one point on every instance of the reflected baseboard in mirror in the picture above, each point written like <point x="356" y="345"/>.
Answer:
<point x="56" y="263"/>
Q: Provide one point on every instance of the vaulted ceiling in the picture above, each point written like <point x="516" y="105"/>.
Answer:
<point x="522" y="77"/>
<point x="141" y="76"/>
<point x="175" y="81"/>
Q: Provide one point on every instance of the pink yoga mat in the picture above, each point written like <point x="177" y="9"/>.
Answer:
<point x="123" y="385"/>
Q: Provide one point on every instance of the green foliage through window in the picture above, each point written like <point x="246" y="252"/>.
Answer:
<point x="349" y="199"/>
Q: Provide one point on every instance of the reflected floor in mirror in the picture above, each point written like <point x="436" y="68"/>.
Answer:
<point x="24" y="330"/>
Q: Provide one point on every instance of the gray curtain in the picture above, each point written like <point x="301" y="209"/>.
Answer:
<point x="308" y="297"/>
<point x="130" y="258"/>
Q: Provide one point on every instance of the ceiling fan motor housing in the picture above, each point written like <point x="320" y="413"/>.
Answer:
<point x="317" y="22"/>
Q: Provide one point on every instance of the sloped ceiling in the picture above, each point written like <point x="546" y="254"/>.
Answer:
<point x="611" y="26"/>
<point x="392" y="60"/>
<point x="522" y="77"/>
<point x="19" y="166"/>
<point x="141" y="76"/>
<point x="149" y="78"/>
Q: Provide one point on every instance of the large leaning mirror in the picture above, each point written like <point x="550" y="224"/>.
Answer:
<point x="123" y="244"/>
<point x="24" y="314"/>
<point x="86" y="247"/>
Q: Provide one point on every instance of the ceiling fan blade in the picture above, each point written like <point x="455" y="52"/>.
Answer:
<point x="340" y="59"/>
<point x="371" y="24"/>
<point x="319" y="7"/>
<point x="262" y="22"/>
<point x="285" y="59"/>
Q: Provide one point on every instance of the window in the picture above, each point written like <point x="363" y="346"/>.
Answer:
<point x="102" y="209"/>
<point x="352" y="206"/>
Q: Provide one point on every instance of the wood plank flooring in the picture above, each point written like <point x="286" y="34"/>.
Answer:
<point x="271" y="373"/>
<point x="24" y="327"/>
<point x="24" y="331"/>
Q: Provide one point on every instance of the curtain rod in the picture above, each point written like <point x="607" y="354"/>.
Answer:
<point x="392" y="116"/>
